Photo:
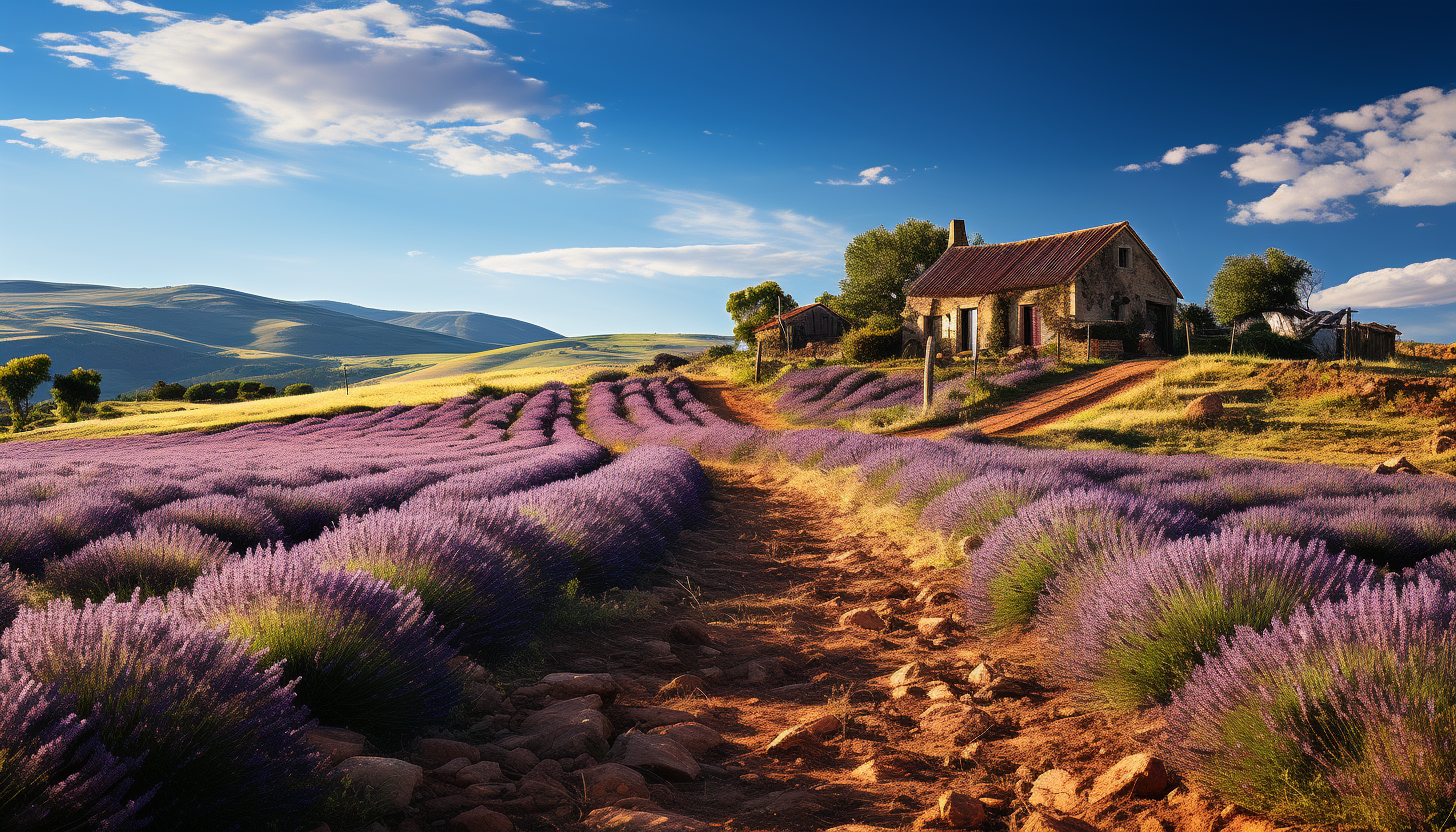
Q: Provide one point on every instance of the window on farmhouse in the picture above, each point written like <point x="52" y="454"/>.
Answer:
<point x="1124" y="257"/>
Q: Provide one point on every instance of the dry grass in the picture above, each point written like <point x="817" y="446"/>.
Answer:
<point x="1332" y="428"/>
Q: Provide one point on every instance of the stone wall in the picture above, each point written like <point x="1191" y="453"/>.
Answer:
<point x="1104" y="291"/>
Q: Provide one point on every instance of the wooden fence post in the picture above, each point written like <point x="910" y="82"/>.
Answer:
<point x="1188" y="333"/>
<point x="758" y="363"/>
<point x="929" y="370"/>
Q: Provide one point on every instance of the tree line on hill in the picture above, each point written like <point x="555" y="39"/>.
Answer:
<point x="75" y="394"/>
<point x="880" y="263"/>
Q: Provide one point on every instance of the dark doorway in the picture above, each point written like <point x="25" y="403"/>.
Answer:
<point x="967" y="330"/>
<point x="1030" y="326"/>
<point x="1160" y="318"/>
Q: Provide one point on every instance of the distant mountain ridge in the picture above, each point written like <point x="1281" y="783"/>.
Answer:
<point x="493" y="330"/>
<point x="135" y="337"/>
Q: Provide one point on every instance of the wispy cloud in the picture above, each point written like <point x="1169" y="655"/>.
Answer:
<point x="1419" y="284"/>
<point x="152" y="13"/>
<point x="109" y="139"/>
<point x="1174" y="156"/>
<point x="491" y="19"/>
<point x="868" y="176"/>
<point x="4" y="49"/>
<point x="231" y="171"/>
<point x="577" y="5"/>
<point x="758" y="244"/>
<point x="1400" y="150"/>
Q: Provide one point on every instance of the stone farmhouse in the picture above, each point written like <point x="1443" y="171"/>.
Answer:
<point x="804" y="325"/>
<point x="1111" y="275"/>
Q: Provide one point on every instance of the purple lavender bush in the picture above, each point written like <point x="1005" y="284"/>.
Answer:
<point x="1005" y="578"/>
<point x="239" y="522"/>
<point x="219" y="742"/>
<point x="25" y="542"/>
<point x="55" y="775"/>
<point x="1129" y="630"/>
<point x="74" y="518"/>
<point x="973" y="508"/>
<point x="1343" y="715"/>
<point x="1021" y="375"/>
<point x="1441" y="568"/>
<point x="13" y="592"/>
<point x="472" y="584"/>
<point x="151" y="562"/>
<point x="364" y="655"/>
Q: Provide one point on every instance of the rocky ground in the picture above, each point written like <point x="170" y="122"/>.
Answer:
<point x="793" y="673"/>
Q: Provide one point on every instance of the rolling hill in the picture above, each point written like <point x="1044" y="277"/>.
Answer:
<point x="137" y="336"/>
<point x="492" y="330"/>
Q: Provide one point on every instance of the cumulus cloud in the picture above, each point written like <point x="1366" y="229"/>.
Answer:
<point x="754" y="245"/>
<point x="6" y="49"/>
<point x="491" y="19"/>
<point x="374" y="74"/>
<point x="868" y="176"/>
<point x="1419" y="284"/>
<point x="109" y="139"/>
<point x="1399" y="150"/>
<point x="1174" y="156"/>
<point x="229" y="171"/>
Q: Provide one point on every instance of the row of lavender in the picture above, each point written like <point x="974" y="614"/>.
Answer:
<point x="187" y="704"/>
<point x="825" y="395"/>
<point x="1294" y="622"/>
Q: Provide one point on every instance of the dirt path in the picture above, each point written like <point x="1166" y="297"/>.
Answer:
<point x="730" y="401"/>
<point x="1057" y="403"/>
<point x="786" y="610"/>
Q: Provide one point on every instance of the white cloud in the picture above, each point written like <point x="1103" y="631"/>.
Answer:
<point x="227" y="171"/>
<point x="152" y="13"/>
<point x="759" y="244"/>
<point x="575" y="4"/>
<point x="451" y="150"/>
<point x="1181" y="154"/>
<point x="6" y="49"/>
<point x="868" y="176"/>
<point x="1419" y="284"/>
<point x="1400" y="150"/>
<point x="750" y="260"/>
<point x="586" y="125"/>
<point x="1174" y="156"/>
<point x="109" y="139"/>
<point x="491" y="19"/>
<point x="368" y="74"/>
<point x="413" y="253"/>
<point x="587" y="108"/>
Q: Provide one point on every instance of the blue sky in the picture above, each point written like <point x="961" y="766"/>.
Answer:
<point x="621" y="166"/>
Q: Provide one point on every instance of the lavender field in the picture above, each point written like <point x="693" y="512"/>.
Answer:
<point x="181" y="609"/>
<point x="1293" y="623"/>
<point x="831" y="394"/>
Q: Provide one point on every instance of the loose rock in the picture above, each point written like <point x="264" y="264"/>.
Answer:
<point x="608" y="783"/>
<point x="394" y="780"/>
<point x="689" y="632"/>
<point x="631" y="820"/>
<point x="484" y="771"/>
<point x="572" y="685"/>
<point x="909" y="674"/>
<point x="933" y="627"/>
<point x="660" y="755"/>
<point x="1208" y="406"/>
<point x="805" y="735"/>
<point x="960" y="811"/>
<point x="1039" y="822"/>
<point x="863" y="618"/>
<point x="480" y="819"/>
<point x="1396" y="465"/>
<point x="696" y="737"/>
<point x="434" y="752"/>
<point x="1142" y="775"/>
<point x="336" y="744"/>
<point x="1057" y="789"/>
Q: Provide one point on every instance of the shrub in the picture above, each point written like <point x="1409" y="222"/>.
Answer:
<point x="225" y="391"/>
<point x="54" y="772"/>
<point x="298" y="389"/>
<point x="600" y="376"/>
<point x="364" y="655"/>
<point x="78" y="517"/>
<point x="198" y="393"/>
<point x="864" y="344"/>
<point x="164" y="392"/>
<point x="974" y="507"/>
<point x="472" y="584"/>
<point x="719" y="351"/>
<point x="1272" y="345"/>
<point x="1005" y="579"/>
<point x="240" y="522"/>
<point x="13" y="591"/>
<point x="664" y="361"/>
<point x="1344" y="715"/>
<point x="1133" y="628"/>
<point x="24" y="541"/>
<point x="1441" y="568"/>
<point x="250" y="388"/>
<point x="219" y="741"/>
<point x="152" y="561"/>
<point x="267" y="391"/>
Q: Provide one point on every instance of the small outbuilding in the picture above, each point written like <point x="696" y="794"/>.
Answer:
<point x="802" y="326"/>
<point x="1327" y="333"/>
<point x="1108" y="272"/>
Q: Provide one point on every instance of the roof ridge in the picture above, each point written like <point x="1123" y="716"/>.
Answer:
<point x="1049" y="236"/>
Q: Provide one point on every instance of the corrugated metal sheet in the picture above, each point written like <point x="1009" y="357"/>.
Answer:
<point x="973" y="271"/>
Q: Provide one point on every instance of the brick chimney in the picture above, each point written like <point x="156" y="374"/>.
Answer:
<point x="958" y="233"/>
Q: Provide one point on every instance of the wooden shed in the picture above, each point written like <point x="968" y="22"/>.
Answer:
<point x="1109" y="272"/>
<point x="803" y="326"/>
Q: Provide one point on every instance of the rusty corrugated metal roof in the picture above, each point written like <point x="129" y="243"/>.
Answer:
<point x="792" y="313"/>
<point x="973" y="271"/>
